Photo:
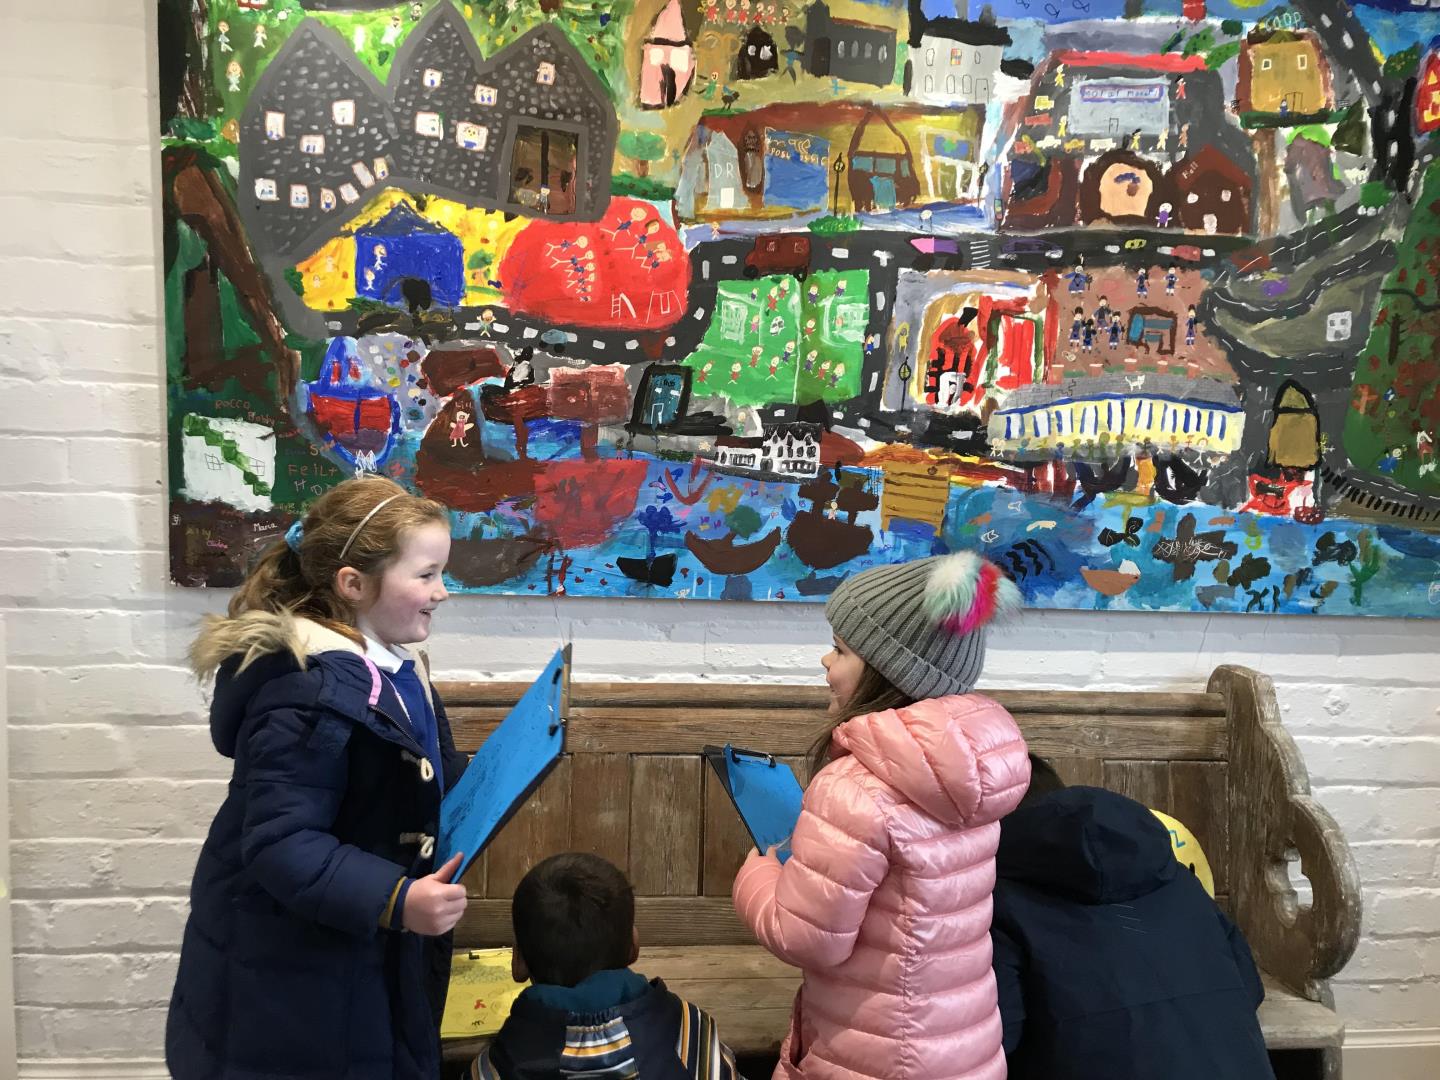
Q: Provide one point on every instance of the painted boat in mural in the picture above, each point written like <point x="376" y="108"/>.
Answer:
<point x="722" y="555"/>
<point x="822" y="541"/>
<point x="356" y="418"/>
<point x="659" y="570"/>
<point x="1111" y="582"/>
<point x="494" y="560"/>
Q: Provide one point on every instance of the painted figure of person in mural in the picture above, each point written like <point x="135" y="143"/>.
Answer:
<point x="460" y="428"/>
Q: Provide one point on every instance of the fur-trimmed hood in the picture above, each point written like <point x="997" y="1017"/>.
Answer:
<point x="277" y="654"/>
<point x="254" y="634"/>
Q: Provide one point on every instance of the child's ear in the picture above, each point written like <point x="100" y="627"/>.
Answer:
<point x="519" y="971"/>
<point x="634" y="945"/>
<point x="350" y="584"/>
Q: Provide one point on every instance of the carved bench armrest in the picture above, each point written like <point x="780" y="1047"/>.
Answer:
<point x="1273" y="820"/>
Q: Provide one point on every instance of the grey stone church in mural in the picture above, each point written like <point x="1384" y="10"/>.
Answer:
<point x="529" y="131"/>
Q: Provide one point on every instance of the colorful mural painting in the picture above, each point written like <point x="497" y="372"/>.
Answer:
<point x="729" y="299"/>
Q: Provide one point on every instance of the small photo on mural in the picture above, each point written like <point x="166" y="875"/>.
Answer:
<point x="728" y="301"/>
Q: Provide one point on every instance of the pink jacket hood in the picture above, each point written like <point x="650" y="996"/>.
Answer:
<point x="937" y="753"/>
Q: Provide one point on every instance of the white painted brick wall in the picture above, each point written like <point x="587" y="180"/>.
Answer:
<point x="113" y="776"/>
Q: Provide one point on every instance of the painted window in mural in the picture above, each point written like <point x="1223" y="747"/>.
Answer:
<point x="720" y="299"/>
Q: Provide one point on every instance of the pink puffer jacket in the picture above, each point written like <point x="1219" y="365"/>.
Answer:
<point x="885" y="900"/>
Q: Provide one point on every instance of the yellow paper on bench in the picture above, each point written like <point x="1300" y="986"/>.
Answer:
<point x="1188" y="851"/>
<point x="481" y="993"/>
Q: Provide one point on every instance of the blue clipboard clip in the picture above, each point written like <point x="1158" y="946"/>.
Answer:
<point x="759" y="755"/>
<point x="558" y="721"/>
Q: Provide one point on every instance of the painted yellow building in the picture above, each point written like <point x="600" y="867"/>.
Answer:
<point x="1284" y="72"/>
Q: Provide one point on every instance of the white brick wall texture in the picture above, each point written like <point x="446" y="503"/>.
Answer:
<point x="113" y="779"/>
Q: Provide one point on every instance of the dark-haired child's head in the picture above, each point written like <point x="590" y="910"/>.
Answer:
<point x="574" y="915"/>
<point x="1044" y="780"/>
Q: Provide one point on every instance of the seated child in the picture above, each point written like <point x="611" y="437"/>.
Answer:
<point x="1111" y="960"/>
<point x="585" y="1010"/>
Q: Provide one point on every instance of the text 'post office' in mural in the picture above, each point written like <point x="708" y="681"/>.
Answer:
<point x="729" y="299"/>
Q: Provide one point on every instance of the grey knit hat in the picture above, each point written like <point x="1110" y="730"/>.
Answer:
<point x="922" y="624"/>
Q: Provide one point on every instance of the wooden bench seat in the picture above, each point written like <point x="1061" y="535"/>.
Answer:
<point x="634" y="789"/>
<point x="749" y="992"/>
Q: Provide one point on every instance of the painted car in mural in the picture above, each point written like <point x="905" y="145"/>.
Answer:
<point x="729" y="299"/>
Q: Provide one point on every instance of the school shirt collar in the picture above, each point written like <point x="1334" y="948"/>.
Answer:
<point x="382" y="657"/>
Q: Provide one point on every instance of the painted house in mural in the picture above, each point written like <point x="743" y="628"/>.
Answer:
<point x="954" y="61"/>
<point x="557" y="126"/>
<point x="1284" y="72"/>
<point x="448" y="137"/>
<point x="1427" y="91"/>
<point x="848" y="49"/>
<point x="781" y="159"/>
<point x="975" y="339"/>
<point x="396" y="254"/>
<point x="1102" y="138"/>
<point x="315" y="138"/>
<point x="758" y="56"/>
<point x="667" y="59"/>
<point x="662" y="400"/>
<point x="791" y="451"/>
<point x="1212" y="194"/>
<point x="530" y="131"/>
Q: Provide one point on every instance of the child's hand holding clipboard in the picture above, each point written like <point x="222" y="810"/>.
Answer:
<point x="764" y="791"/>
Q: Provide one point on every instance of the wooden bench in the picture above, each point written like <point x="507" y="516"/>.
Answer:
<point x="634" y="789"/>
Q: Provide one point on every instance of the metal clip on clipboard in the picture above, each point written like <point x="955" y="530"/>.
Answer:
<point x="759" y="755"/>
<point x="561" y="678"/>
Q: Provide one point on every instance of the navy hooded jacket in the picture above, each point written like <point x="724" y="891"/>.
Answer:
<point x="285" y="967"/>
<point x="1111" y="960"/>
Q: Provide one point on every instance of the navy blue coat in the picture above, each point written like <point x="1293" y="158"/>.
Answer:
<point x="285" y="969"/>
<point x="1112" y="961"/>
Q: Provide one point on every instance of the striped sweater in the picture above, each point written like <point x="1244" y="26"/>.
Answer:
<point x="652" y="1034"/>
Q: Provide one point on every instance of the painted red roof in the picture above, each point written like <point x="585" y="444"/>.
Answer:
<point x="1167" y="62"/>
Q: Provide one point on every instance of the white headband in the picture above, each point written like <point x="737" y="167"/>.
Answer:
<point x="365" y="521"/>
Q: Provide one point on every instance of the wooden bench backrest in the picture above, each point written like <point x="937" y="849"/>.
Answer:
<point x="635" y="789"/>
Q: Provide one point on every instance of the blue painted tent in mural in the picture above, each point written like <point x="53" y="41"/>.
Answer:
<point x="404" y="246"/>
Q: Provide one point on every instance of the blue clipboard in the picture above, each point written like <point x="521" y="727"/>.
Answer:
<point x="508" y="767"/>
<point x="764" y="791"/>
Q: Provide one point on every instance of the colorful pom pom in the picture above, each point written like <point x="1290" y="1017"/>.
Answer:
<point x="966" y="591"/>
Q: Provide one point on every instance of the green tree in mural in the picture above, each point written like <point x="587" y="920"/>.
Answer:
<point x="641" y="147"/>
<point x="1394" y="418"/>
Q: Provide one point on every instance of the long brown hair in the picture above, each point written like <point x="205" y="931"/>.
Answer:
<point x="287" y="582"/>
<point x="873" y="693"/>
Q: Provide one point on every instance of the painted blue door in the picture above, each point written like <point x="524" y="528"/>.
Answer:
<point x="662" y="401"/>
